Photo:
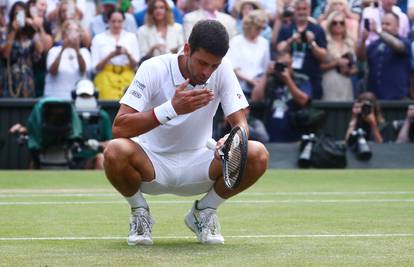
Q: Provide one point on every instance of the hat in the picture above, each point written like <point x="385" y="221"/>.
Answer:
<point x="109" y="2"/>
<point x="240" y="3"/>
<point x="85" y="87"/>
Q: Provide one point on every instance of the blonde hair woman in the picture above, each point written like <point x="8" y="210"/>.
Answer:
<point x="339" y="65"/>
<point x="351" y="19"/>
<point x="160" y="34"/>
<point x="115" y="55"/>
<point x="249" y="53"/>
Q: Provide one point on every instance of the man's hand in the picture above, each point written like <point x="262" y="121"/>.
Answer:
<point x="185" y="101"/>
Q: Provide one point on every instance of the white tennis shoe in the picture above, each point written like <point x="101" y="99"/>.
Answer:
<point x="140" y="227"/>
<point x="204" y="223"/>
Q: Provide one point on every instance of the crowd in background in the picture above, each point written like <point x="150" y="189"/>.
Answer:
<point x="285" y="53"/>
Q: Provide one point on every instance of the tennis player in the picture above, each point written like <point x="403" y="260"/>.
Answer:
<point x="161" y="129"/>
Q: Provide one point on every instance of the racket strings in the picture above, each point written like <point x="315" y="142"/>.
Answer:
<point x="233" y="159"/>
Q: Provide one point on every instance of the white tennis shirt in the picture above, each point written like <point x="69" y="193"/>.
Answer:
<point x="155" y="83"/>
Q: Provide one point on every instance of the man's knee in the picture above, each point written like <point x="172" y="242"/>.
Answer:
<point x="257" y="157"/>
<point x="117" y="149"/>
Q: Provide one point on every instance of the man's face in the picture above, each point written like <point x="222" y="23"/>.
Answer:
<point x="200" y="64"/>
<point x="302" y="11"/>
<point x="390" y="24"/>
<point x="209" y="5"/>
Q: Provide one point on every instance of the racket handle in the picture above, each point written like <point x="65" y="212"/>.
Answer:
<point x="211" y="144"/>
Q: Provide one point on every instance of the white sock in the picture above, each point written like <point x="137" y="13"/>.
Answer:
<point x="210" y="200"/>
<point x="137" y="201"/>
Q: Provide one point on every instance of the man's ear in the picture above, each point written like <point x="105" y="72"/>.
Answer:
<point x="187" y="49"/>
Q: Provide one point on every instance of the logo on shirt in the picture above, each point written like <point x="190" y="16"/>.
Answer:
<point x="239" y="96"/>
<point x="135" y="93"/>
<point x="139" y="85"/>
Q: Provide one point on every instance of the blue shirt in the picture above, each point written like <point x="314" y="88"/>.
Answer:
<point x="311" y="63"/>
<point x="389" y="71"/>
<point x="279" y="127"/>
<point x="140" y="16"/>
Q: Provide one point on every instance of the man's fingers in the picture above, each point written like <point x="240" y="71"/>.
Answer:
<point x="184" y="85"/>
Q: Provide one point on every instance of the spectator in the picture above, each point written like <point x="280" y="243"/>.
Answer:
<point x="96" y="131"/>
<point x="375" y="14"/>
<point x="388" y="60"/>
<point x="140" y="15"/>
<point x="160" y="34"/>
<point x="115" y="54"/>
<point x="100" y="22"/>
<point x="249" y="53"/>
<point x="3" y="37"/>
<point x="65" y="11"/>
<point x="340" y="63"/>
<point x="209" y="10"/>
<point x="284" y="18"/>
<point x="23" y="45"/>
<point x="37" y="11"/>
<point x="242" y="9"/>
<point x="187" y="6"/>
<point x="406" y="133"/>
<point x="67" y="63"/>
<point x="351" y="19"/>
<point x="306" y="41"/>
<point x="367" y="115"/>
<point x="287" y="91"/>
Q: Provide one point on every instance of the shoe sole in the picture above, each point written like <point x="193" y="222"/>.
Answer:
<point x="143" y="242"/>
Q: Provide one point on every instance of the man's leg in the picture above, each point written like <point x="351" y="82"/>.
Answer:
<point x="126" y="166"/>
<point x="202" y="219"/>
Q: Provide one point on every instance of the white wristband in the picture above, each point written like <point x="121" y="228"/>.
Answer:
<point x="165" y="112"/>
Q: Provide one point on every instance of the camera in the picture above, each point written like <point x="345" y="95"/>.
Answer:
<point x="280" y="67"/>
<point x="303" y="37"/>
<point x="287" y="12"/>
<point x="366" y="109"/>
<point x="366" y="24"/>
<point x="358" y="143"/>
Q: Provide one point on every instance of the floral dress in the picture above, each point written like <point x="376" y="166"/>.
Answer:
<point x="19" y="80"/>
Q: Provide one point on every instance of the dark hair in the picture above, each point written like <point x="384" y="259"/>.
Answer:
<point x="111" y="12"/>
<point x="211" y="36"/>
<point x="27" y="30"/>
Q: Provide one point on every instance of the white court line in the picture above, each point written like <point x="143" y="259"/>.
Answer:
<point x="31" y="203"/>
<point x="16" y="194"/>
<point x="192" y="237"/>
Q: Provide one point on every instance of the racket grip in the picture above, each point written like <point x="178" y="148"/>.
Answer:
<point x="211" y="144"/>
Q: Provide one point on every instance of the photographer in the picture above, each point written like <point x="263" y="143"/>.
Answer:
<point x="286" y="92"/>
<point x="406" y="133"/>
<point x="366" y="115"/>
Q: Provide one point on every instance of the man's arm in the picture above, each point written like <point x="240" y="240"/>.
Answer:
<point x="238" y="118"/>
<point x="396" y="44"/>
<point x="129" y="123"/>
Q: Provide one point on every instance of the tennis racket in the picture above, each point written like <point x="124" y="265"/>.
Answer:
<point x="233" y="156"/>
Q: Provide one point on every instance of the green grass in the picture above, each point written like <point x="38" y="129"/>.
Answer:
<point x="289" y="218"/>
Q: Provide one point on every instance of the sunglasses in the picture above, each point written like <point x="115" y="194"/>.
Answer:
<point x="340" y="22"/>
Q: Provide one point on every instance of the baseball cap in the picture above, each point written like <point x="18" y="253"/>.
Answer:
<point x="85" y="87"/>
<point x="109" y="2"/>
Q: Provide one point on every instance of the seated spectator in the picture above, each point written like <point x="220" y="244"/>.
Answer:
<point x="100" y="22"/>
<point x="67" y="63"/>
<point x="249" y="53"/>
<point x="406" y="133"/>
<point x="140" y="15"/>
<point x="37" y="11"/>
<point x="306" y="41"/>
<point x="160" y="34"/>
<point x="376" y="12"/>
<point x="65" y="12"/>
<point x="340" y="63"/>
<point x="242" y="9"/>
<point x="351" y="19"/>
<point x="22" y="46"/>
<point x="367" y="115"/>
<point x="287" y="91"/>
<point x="115" y="55"/>
<point x="209" y="10"/>
<point x="388" y="60"/>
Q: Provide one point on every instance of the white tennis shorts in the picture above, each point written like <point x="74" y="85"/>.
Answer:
<point x="183" y="173"/>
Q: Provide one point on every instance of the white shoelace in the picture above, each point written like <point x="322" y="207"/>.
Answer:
<point x="209" y="221"/>
<point x="142" y="223"/>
